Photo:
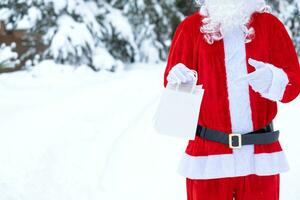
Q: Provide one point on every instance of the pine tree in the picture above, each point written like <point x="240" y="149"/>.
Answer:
<point x="154" y="23"/>
<point x="116" y="32"/>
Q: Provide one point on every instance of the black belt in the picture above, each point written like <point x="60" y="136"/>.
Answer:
<point x="265" y="135"/>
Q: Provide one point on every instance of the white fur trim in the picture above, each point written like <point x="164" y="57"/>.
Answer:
<point x="238" y="94"/>
<point x="219" y="166"/>
<point x="279" y="83"/>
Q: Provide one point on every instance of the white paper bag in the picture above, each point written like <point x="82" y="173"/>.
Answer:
<point x="178" y="110"/>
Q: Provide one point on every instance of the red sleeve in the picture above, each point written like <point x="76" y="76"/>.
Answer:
<point x="181" y="50"/>
<point x="283" y="55"/>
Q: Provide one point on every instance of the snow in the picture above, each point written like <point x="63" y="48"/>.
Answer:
<point x="58" y="5"/>
<point x="121" y="25"/>
<point x="7" y="56"/>
<point x="120" y="22"/>
<point x="5" y="13"/>
<point x="148" y="52"/>
<point x="102" y="59"/>
<point x="72" y="134"/>
<point x="66" y="40"/>
<point x="29" y="21"/>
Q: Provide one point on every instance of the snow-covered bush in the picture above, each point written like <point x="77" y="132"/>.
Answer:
<point x="8" y="58"/>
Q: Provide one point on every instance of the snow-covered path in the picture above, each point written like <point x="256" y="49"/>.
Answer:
<point x="79" y="135"/>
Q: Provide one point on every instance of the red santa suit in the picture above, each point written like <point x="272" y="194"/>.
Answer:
<point x="235" y="108"/>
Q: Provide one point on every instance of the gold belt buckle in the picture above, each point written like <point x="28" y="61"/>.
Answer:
<point x="239" y="136"/>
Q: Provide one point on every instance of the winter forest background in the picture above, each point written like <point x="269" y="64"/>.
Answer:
<point x="79" y="84"/>
<point x="84" y="32"/>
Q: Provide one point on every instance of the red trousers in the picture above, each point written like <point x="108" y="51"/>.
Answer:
<point x="251" y="187"/>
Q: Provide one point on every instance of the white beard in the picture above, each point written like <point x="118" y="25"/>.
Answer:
<point x="231" y="13"/>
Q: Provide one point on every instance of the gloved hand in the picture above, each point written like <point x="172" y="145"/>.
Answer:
<point x="261" y="79"/>
<point x="180" y="74"/>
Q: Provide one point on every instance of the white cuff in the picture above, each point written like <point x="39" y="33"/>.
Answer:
<point x="279" y="83"/>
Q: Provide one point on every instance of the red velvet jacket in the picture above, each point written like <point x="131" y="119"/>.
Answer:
<point x="271" y="44"/>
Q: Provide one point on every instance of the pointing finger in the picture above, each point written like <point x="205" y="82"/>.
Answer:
<point x="256" y="64"/>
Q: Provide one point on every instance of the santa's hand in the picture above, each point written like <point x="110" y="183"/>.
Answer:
<point x="261" y="79"/>
<point x="180" y="74"/>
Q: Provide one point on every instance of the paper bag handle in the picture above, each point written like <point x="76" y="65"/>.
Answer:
<point x="195" y="74"/>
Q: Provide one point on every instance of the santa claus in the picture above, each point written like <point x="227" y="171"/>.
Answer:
<point x="246" y="63"/>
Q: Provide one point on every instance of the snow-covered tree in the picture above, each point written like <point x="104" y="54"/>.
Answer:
<point x="154" y="23"/>
<point x="97" y="33"/>
<point x="68" y="28"/>
<point x="116" y="32"/>
<point x="71" y="31"/>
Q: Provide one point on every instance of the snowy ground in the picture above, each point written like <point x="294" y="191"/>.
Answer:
<point x="80" y="135"/>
